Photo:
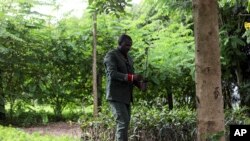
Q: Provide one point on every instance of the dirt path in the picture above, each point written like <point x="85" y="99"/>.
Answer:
<point x="57" y="129"/>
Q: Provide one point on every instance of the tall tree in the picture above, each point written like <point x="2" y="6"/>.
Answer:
<point x="209" y="98"/>
<point x="2" y="100"/>
<point x="94" y="65"/>
<point x="108" y="7"/>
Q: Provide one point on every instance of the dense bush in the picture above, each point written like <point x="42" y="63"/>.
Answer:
<point x="236" y="117"/>
<point x="147" y="124"/>
<point x="38" y="114"/>
<point x="155" y="124"/>
<point x="12" y="134"/>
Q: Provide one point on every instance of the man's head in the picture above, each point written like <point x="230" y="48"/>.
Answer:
<point x="125" y="43"/>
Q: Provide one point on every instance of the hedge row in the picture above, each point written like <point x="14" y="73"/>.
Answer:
<point x="155" y="124"/>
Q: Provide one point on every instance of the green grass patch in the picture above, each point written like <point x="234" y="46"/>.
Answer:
<point x="13" y="134"/>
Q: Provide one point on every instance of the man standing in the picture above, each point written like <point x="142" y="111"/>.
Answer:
<point x="120" y="81"/>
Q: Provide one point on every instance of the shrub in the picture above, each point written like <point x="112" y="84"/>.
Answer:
<point x="155" y="124"/>
<point x="147" y="124"/>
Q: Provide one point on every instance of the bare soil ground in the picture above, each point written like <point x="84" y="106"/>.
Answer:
<point x="57" y="129"/>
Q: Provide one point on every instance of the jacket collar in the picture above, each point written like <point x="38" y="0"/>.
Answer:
<point x="123" y="57"/>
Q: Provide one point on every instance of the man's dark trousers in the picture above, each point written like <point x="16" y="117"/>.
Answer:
<point x="122" y="113"/>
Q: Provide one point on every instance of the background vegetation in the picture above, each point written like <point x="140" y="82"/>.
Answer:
<point x="45" y="66"/>
<point x="12" y="134"/>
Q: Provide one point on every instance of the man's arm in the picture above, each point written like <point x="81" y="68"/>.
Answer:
<point x="110" y="63"/>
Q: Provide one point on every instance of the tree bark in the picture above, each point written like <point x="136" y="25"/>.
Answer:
<point x="227" y="95"/>
<point x="95" y="96"/>
<point x="209" y="99"/>
<point x="170" y="98"/>
<point x="99" y="90"/>
<point x="2" y="100"/>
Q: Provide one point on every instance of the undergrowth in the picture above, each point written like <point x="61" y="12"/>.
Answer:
<point x="14" y="134"/>
<point x="156" y="124"/>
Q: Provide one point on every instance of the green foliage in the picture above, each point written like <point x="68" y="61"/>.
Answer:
<point x="234" y="45"/>
<point x="108" y="6"/>
<point x="237" y="116"/>
<point x="146" y="124"/>
<point x="247" y="35"/>
<point x="42" y="62"/>
<point x="157" y="123"/>
<point x="170" y="62"/>
<point x="25" y="115"/>
<point x="45" y="63"/>
<point x="215" y="136"/>
<point x="235" y="3"/>
<point x="13" y="134"/>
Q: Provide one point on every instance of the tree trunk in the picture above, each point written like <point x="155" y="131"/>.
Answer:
<point x="209" y="99"/>
<point x="227" y="95"/>
<point x="99" y="89"/>
<point x="2" y="100"/>
<point x="95" y="96"/>
<point x="170" y="98"/>
<point x="238" y="73"/>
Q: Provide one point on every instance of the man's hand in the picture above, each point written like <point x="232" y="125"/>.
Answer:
<point x="137" y="77"/>
<point x="143" y="85"/>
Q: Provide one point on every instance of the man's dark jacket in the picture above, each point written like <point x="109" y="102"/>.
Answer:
<point x="117" y="67"/>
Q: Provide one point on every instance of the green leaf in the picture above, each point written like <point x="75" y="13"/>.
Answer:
<point x="4" y="50"/>
<point x="155" y="80"/>
<point x="90" y="2"/>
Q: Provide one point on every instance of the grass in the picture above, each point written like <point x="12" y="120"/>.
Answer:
<point x="13" y="134"/>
